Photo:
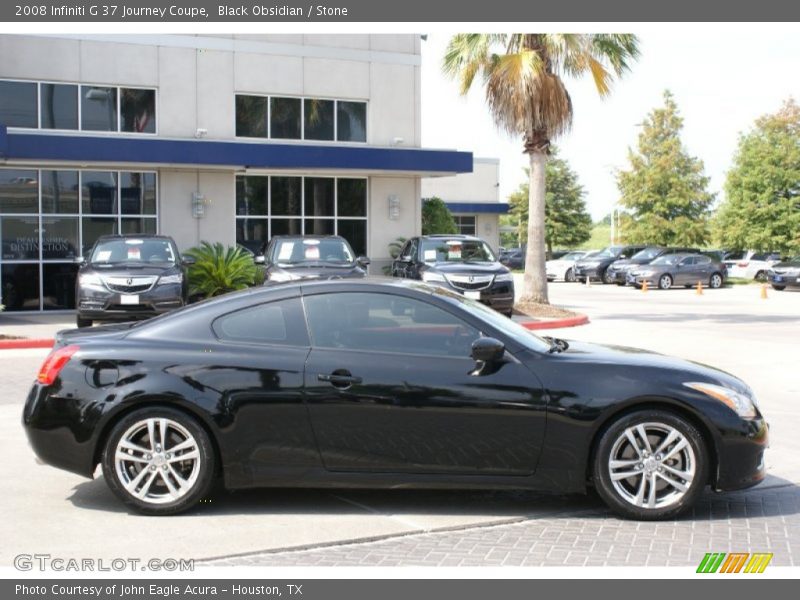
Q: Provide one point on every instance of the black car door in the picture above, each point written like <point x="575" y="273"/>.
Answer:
<point x="390" y="387"/>
<point x="404" y="264"/>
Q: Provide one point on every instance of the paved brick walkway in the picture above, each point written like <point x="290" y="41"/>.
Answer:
<point x="760" y="520"/>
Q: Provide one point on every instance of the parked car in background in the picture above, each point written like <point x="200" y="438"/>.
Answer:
<point x="127" y="277"/>
<point x="463" y="263"/>
<point x="563" y="268"/>
<point x="687" y="270"/>
<point x="596" y="265"/>
<point x="749" y="264"/>
<point x="514" y="258"/>
<point x="785" y="274"/>
<point x="384" y="384"/>
<point x="290" y="257"/>
<point x="618" y="270"/>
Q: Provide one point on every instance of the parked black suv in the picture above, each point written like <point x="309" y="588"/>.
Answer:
<point x="290" y="257"/>
<point x="127" y="277"/>
<point x="596" y="265"/>
<point x="617" y="271"/>
<point x="462" y="263"/>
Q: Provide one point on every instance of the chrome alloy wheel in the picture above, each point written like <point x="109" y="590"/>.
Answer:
<point x="157" y="460"/>
<point x="652" y="465"/>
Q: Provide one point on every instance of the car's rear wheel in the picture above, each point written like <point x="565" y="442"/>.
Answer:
<point x="569" y="276"/>
<point x="715" y="282"/>
<point x="607" y="277"/>
<point x="159" y="461"/>
<point x="761" y="276"/>
<point x="780" y="288"/>
<point x="81" y="322"/>
<point x="665" y="282"/>
<point x="650" y="464"/>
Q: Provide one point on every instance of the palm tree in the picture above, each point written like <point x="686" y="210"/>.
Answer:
<point x="522" y="73"/>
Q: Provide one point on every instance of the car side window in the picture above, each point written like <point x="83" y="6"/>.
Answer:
<point x="275" y="323"/>
<point x="688" y="261"/>
<point x="412" y="249"/>
<point x="702" y="260"/>
<point x="375" y="322"/>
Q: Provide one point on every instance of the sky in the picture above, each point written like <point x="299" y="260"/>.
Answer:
<point x="722" y="80"/>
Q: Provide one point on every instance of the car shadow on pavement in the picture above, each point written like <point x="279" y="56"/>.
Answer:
<point x="774" y="497"/>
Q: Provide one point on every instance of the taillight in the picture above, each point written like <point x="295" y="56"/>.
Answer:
<point x="743" y="264"/>
<point x="54" y="362"/>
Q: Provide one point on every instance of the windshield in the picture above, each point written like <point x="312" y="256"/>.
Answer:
<point x="307" y="251"/>
<point x="572" y="256"/>
<point x="646" y="254"/>
<point x="609" y="252"/>
<point x="667" y="259"/>
<point x="455" y="250"/>
<point x="500" y="322"/>
<point x="133" y="250"/>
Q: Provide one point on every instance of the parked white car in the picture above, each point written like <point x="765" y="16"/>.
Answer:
<point x="749" y="264"/>
<point x="562" y="268"/>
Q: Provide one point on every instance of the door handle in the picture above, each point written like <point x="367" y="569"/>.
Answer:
<point x="340" y="378"/>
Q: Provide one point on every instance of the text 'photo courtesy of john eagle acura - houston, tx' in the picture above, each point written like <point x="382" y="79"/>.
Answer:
<point x="278" y="386"/>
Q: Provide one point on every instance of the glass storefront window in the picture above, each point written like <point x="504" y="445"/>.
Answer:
<point x="320" y="227"/>
<point x="60" y="238"/>
<point x="137" y="193"/>
<point x="59" y="106"/>
<point x="286" y="227"/>
<point x="285" y="118"/>
<point x="251" y="116"/>
<point x="318" y="121"/>
<point x="251" y="233"/>
<point x="251" y="196"/>
<point x="355" y="232"/>
<point x="58" y="286"/>
<point x="93" y="228"/>
<point x="20" y="237"/>
<point x="351" y="121"/>
<point x="98" y="108"/>
<point x="137" y="110"/>
<point x="19" y="191"/>
<point x="59" y="192"/>
<point x="141" y="225"/>
<point x="20" y="284"/>
<point x="351" y="197"/>
<point x="18" y="104"/>
<point x="286" y="196"/>
<point x="99" y="192"/>
<point x="319" y="196"/>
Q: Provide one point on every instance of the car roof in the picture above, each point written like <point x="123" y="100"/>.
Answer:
<point x="444" y="236"/>
<point x="306" y="237"/>
<point x="135" y="236"/>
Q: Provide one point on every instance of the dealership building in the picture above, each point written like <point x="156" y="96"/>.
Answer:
<point x="225" y="138"/>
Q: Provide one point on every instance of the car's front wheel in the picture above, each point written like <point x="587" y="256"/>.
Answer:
<point x="569" y="276"/>
<point x="650" y="464"/>
<point x="607" y="277"/>
<point x="665" y="282"/>
<point x="81" y="322"/>
<point x="159" y="461"/>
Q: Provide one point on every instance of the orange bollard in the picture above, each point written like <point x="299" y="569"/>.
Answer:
<point x="644" y="285"/>
<point x="764" y="291"/>
<point x="699" y="291"/>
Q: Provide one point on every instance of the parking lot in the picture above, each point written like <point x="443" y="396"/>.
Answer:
<point x="733" y="328"/>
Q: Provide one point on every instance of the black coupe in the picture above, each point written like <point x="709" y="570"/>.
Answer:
<point x="383" y="383"/>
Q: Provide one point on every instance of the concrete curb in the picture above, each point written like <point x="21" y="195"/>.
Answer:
<point x="556" y="323"/>
<point x="26" y="343"/>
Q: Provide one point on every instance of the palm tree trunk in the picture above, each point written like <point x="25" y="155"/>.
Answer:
<point x="534" y="287"/>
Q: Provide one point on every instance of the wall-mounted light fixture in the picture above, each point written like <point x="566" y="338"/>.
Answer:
<point x="394" y="207"/>
<point x="198" y="205"/>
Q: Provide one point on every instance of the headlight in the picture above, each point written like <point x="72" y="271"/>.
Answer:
<point x="742" y="405"/>
<point x="644" y="273"/>
<point x="433" y="277"/>
<point x="280" y="276"/>
<point x="167" y="279"/>
<point x="504" y="277"/>
<point x="90" y="280"/>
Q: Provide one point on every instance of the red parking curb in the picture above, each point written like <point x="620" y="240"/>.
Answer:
<point x="556" y="323"/>
<point x="26" y="343"/>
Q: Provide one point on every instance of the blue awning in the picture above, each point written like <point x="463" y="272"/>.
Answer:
<point x="112" y="149"/>
<point x="496" y="208"/>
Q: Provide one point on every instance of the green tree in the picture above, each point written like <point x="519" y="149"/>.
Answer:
<point x="665" y="190"/>
<point x="566" y="222"/>
<point x="436" y="217"/>
<point x="762" y="191"/>
<point x="522" y="74"/>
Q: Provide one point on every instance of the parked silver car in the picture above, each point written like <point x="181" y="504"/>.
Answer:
<point x="679" y="269"/>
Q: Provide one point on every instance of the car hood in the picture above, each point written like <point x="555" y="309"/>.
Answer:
<point x="319" y="272"/>
<point x="469" y="268"/>
<point x="626" y="263"/>
<point x="130" y="270"/>
<point x="558" y="263"/>
<point x="786" y="265"/>
<point x="633" y="361"/>
<point x="595" y="261"/>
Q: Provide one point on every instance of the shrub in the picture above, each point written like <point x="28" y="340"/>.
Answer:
<point x="218" y="270"/>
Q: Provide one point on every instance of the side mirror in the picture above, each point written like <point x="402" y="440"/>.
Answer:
<point x="363" y="261"/>
<point x="260" y="259"/>
<point x="488" y="350"/>
<point x="187" y="261"/>
<point x="404" y="259"/>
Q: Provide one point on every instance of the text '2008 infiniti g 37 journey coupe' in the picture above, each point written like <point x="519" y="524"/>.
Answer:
<point x="383" y="383"/>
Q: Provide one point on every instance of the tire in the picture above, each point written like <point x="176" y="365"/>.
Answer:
<point x="761" y="276"/>
<point x="81" y="322"/>
<point x="569" y="276"/>
<point x="780" y="288"/>
<point x="688" y="286"/>
<point x="606" y="277"/>
<point x="665" y="282"/>
<point x="715" y="281"/>
<point x="157" y="498"/>
<point x="631" y="497"/>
